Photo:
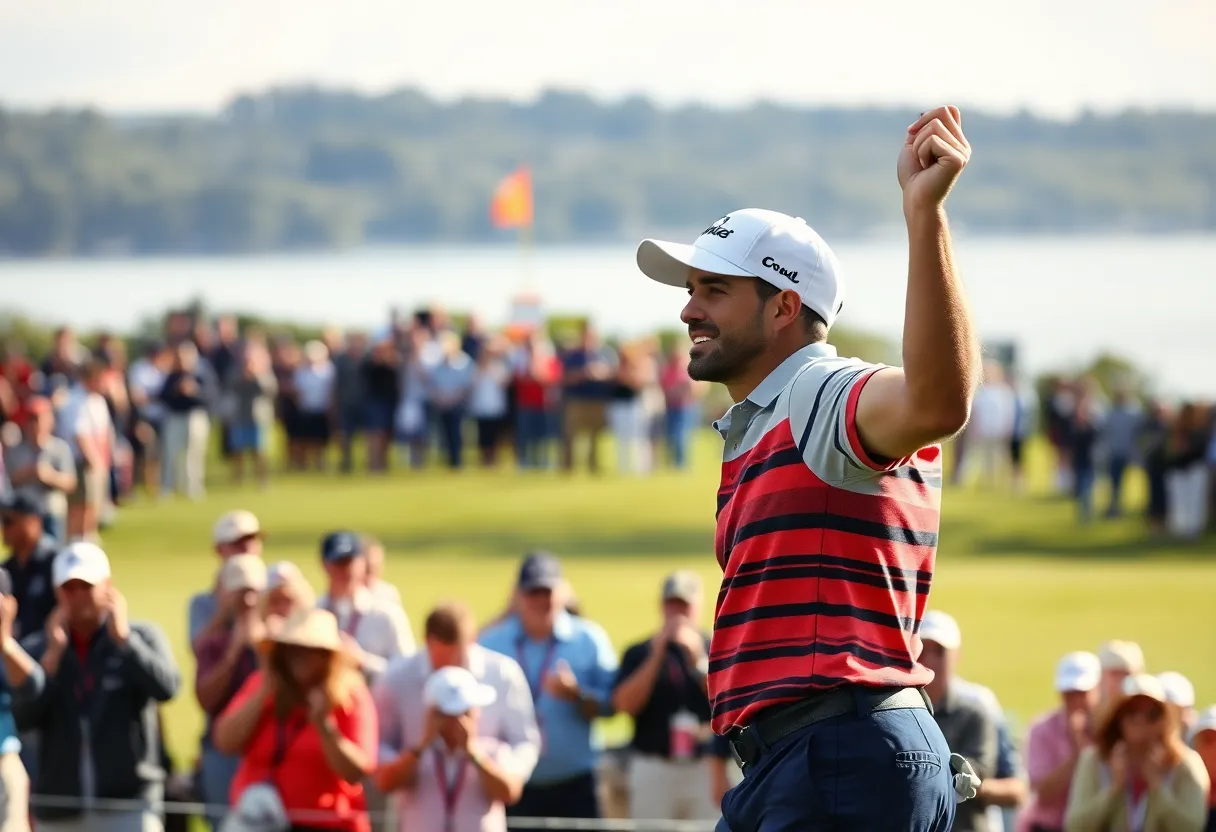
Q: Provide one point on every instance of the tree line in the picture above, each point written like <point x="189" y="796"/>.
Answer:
<point x="307" y="168"/>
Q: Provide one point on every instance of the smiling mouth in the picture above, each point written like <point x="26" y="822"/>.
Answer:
<point x="702" y="339"/>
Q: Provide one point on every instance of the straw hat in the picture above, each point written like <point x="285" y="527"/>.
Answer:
<point x="1136" y="686"/>
<point x="313" y="628"/>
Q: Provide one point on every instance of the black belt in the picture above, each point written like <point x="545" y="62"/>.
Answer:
<point x="750" y="742"/>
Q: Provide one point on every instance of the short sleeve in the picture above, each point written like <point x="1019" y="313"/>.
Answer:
<point x="634" y="656"/>
<point x="1040" y="762"/>
<point x="822" y="408"/>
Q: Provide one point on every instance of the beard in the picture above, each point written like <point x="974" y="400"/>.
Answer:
<point x="728" y="355"/>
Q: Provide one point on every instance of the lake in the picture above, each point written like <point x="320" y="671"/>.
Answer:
<point x="1062" y="299"/>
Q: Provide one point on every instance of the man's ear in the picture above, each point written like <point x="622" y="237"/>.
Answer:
<point x="787" y="308"/>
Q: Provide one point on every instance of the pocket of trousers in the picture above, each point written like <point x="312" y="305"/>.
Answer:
<point x="918" y="764"/>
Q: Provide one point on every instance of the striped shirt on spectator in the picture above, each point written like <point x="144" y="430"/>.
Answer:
<point x="827" y="554"/>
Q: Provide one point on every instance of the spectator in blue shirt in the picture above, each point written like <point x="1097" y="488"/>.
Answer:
<point x="587" y="387"/>
<point x="570" y="665"/>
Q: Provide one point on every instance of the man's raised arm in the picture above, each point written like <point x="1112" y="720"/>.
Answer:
<point x="900" y="411"/>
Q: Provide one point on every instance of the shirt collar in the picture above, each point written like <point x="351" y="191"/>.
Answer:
<point x="770" y="388"/>
<point x="563" y="627"/>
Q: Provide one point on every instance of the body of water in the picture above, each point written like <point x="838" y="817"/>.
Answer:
<point x="1061" y="299"/>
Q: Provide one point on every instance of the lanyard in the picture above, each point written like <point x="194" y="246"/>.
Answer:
<point x="537" y="687"/>
<point x="283" y="738"/>
<point x="451" y="794"/>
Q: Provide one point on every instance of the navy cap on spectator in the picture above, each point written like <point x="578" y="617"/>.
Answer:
<point x="20" y="503"/>
<point x="540" y="570"/>
<point x="340" y="546"/>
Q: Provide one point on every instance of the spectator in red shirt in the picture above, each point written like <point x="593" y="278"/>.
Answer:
<point x="535" y="380"/>
<point x="305" y="726"/>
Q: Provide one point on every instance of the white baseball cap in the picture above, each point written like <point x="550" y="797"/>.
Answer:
<point x="1178" y="689"/>
<point x="243" y="572"/>
<point x="942" y="629"/>
<point x="233" y="526"/>
<point x="753" y="242"/>
<point x="1122" y="655"/>
<point x="80" y="561"/>
<point x="455" y="691"/>
<point x="1206" y="721"/>
<point x="1142" y="684"/>
<point x="1078" y="671"/>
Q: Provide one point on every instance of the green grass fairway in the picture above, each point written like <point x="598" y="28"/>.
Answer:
<point x="1025" y="583"/>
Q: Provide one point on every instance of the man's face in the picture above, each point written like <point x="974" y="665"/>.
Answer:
<point x="250" y="544"/>
<point x="940" y="660"/>
<point x="445" y="655"/>
<point x="1112" y="683"/>
<point x="677" y="608"/>
<point x="20" y="530"/>
<point x="727" y="311"/>
<point x="537" y="605"/>
<point x="346" y="572"/>
<point x="82" y="602"/>
<point x="40" y="424"/>
<point x="1080" y="700"/>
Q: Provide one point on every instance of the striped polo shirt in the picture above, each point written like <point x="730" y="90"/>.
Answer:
<point x="826" y="554"/>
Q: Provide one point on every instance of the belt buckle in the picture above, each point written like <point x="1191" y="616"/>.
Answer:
<point x="745" y="752"/>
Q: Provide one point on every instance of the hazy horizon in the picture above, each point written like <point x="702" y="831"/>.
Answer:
<point x="1054" y="58"/>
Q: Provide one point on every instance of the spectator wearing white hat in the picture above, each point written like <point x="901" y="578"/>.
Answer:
<point x="969" y="726"/>
<point x="287" y="590"/>
<point x="1120" y="659"/>
<point x="1138" y="776"/>
<point x="224" y="658"/>
<point x="507" y="723"/>
<point x="460" y="780"/>
<point x="91" y="699"/>
<point x="1203" y="740"/>
<point x="1179" y="695"/>
<point x="1055" y="741"/>
<point x="234" y="533"/>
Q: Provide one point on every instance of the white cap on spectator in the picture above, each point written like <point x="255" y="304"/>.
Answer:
<point x="234" y="525"/>
<point x="243" y="572"/>
<point x="753" y="242"/>
<point x="81" y="561"/>
<point x="1078" y="671"/>
<point x="283" y="573"/>
<point x="942" y="629"/>
<point x="1122" y="655"/>
<point x="1142" y="684"/>
<point x="455" y="691"/>
<point x="1178" y="689"/>
<point x="1206" y="721"/>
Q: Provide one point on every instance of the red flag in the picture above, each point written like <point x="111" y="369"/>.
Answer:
<point x="511" y="206"/>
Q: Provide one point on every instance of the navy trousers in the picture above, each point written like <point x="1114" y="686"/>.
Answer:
<point x="887" y="771"/>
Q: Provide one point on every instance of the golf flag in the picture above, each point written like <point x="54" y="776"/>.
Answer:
<point x="511" y="206"/>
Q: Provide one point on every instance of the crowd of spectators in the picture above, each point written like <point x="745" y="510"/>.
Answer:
<point x="322" y="712"/>
<point x="85" y="426"/>
<point x="1097" y="440"/>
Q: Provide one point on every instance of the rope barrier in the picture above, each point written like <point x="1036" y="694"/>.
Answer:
<point x="197" y="809"/>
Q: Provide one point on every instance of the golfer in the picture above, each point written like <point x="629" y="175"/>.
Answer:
<point x="828" y="508"/>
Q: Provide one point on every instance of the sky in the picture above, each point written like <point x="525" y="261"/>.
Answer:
<point x="1055" y="57"/>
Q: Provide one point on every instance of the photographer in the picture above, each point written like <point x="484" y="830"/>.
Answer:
<point x="225" y="658"/>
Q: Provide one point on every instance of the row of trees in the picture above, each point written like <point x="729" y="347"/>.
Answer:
<point x="304" y="168"/>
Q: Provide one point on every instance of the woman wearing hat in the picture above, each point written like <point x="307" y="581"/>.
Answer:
<point x="305" y="727"/>
<point x="1138" y="776"/>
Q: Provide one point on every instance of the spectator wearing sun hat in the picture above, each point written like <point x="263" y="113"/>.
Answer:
<point x="1120" y="659"/>
<point x="1138" y="775"/>
<point x="1179" y="695"/>
<point x="91" y="700"/>
<point x="1203" y="740"/>
<point x="234" y="533"/>
<point x="1055" y="741"/>
<point x="970" y="727"/>
<point x="224" y="658"/>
